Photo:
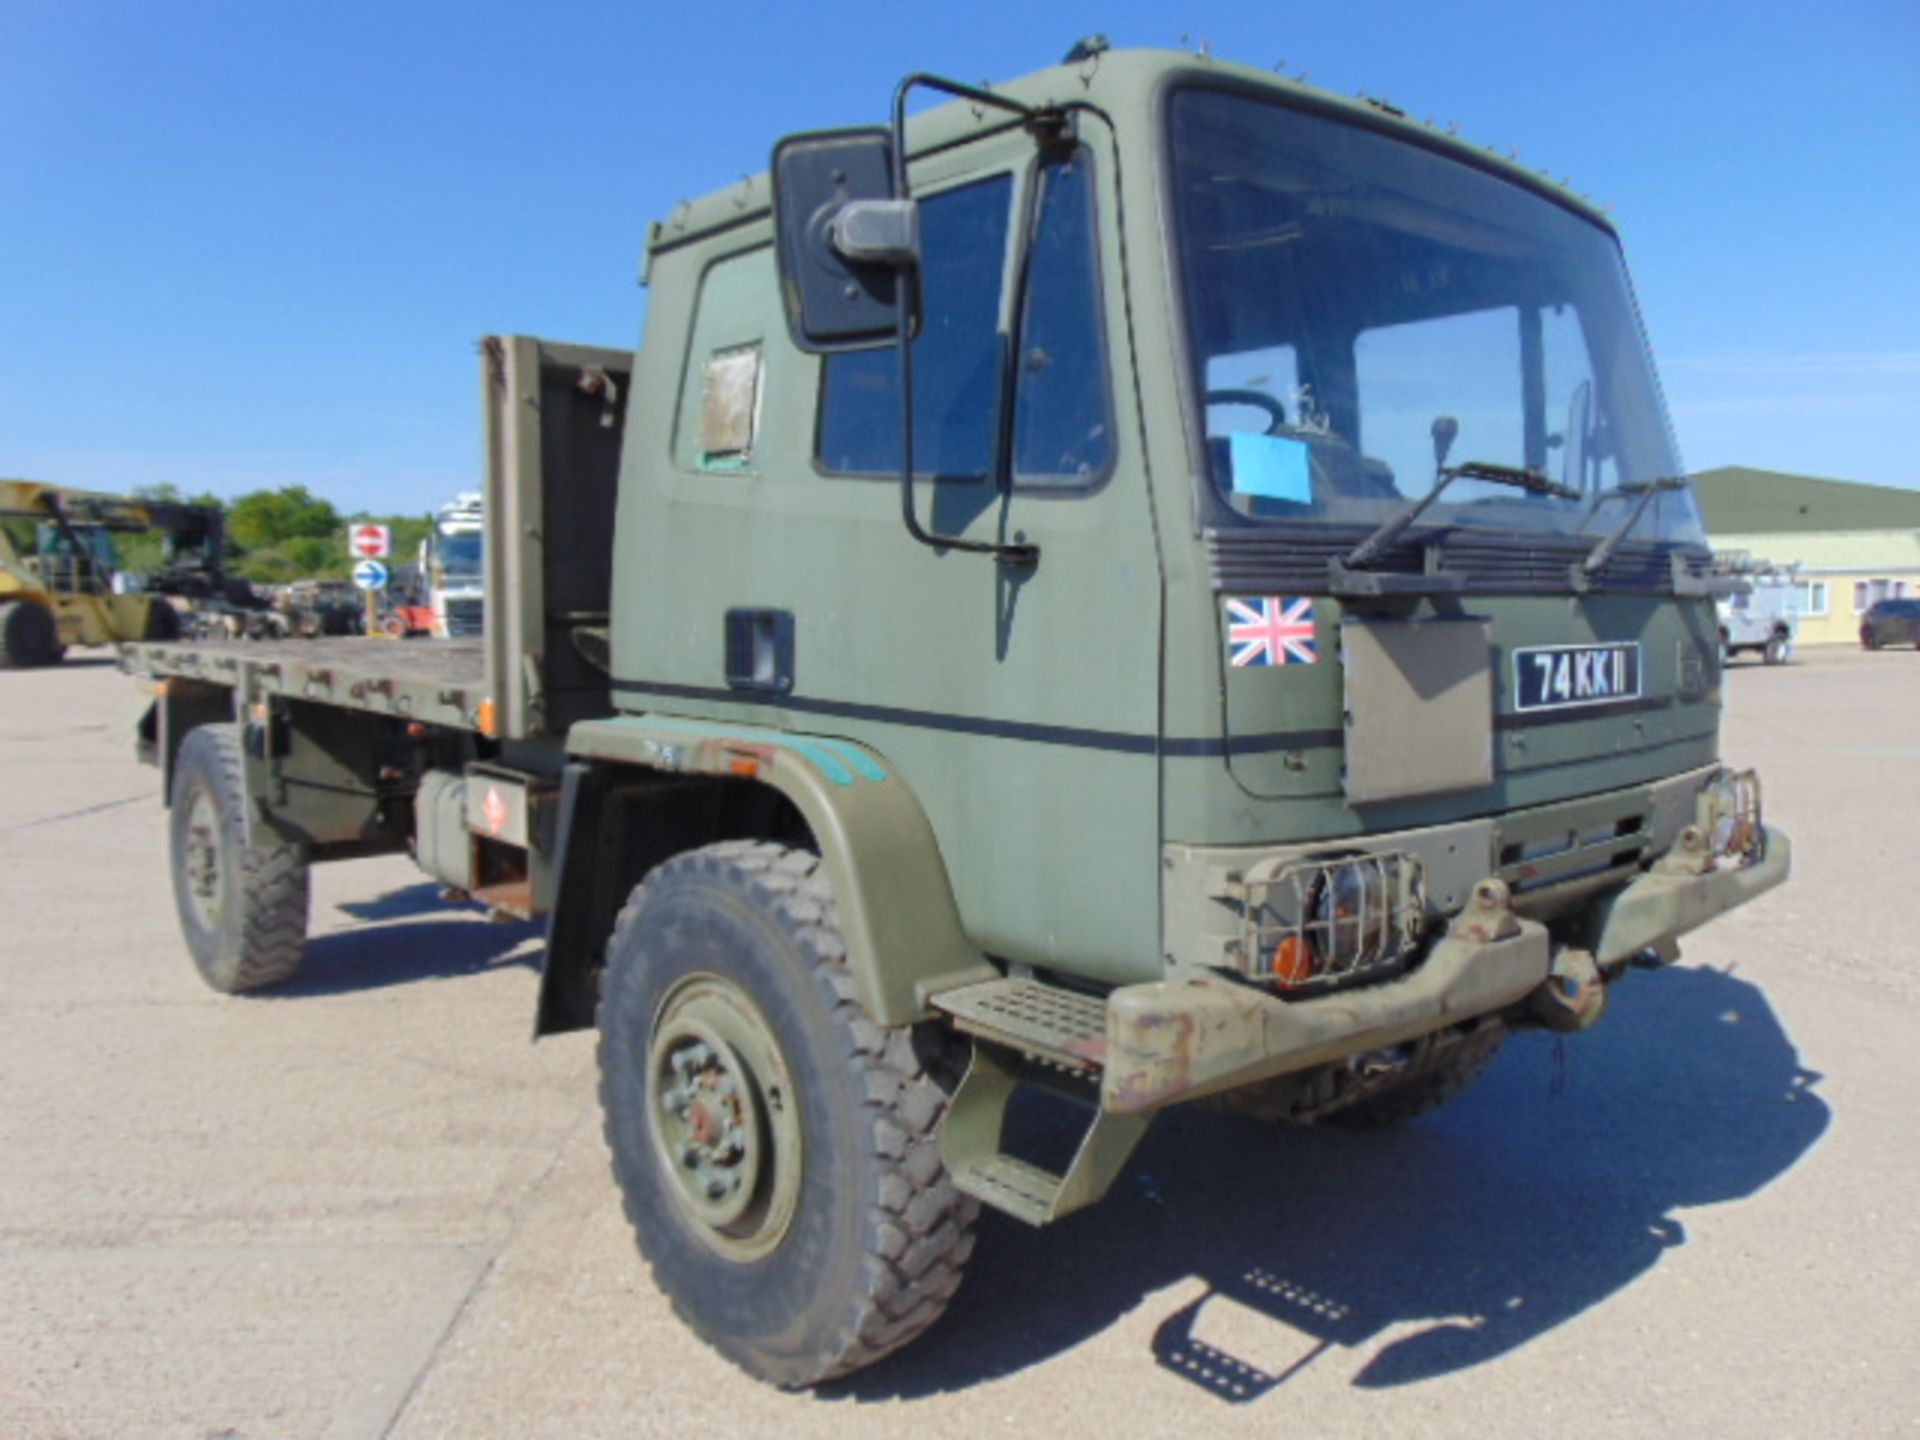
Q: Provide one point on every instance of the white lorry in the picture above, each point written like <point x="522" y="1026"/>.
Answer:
<point x="451" y="579"/>
<point x="1761" y="617"/>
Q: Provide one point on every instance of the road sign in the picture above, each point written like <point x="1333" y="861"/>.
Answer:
<point x="370" y="542"/>
<point x="370" y="575"/>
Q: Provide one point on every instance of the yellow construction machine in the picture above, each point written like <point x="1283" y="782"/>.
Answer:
<point x="60" y="578"/>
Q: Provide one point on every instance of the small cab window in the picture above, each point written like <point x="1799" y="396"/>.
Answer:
<point x="956" y="354"/>
<point x="718" y="422"/>
<point x="1062" y="421"/>
<point x="730" y="406"/>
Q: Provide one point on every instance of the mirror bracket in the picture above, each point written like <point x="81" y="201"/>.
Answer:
<point x="878" y="232"/>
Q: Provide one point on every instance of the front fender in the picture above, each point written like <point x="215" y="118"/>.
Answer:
<point x="904" y="936"/>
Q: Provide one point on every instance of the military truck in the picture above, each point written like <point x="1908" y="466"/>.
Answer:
<point x="1150" y="583"/>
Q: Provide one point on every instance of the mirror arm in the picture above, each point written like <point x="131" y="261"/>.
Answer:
<point x="1019" y="554"/>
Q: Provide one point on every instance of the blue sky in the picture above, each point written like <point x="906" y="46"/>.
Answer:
<point x="253" y="244"/>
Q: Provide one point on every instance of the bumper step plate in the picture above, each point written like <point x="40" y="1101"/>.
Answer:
<point x="1062" y="1027"/>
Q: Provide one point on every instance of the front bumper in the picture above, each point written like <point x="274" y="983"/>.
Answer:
<point x="1175" y="1040"/>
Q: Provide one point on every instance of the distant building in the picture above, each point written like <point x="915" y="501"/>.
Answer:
<point x="1850" y="544"/>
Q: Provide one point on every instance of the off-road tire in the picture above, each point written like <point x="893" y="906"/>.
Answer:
<point x="259" y="935"/>
<point x="878" y="1234"/>
<point x="1426" y="1088"/>
<point x="28" y="636"/>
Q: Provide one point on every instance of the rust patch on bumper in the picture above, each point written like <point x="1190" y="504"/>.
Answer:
<point x="1161" y="1034"/>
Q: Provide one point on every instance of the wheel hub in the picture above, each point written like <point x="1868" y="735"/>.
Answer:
<point x="721" y="1116"/>
<point x="204" y="880"/>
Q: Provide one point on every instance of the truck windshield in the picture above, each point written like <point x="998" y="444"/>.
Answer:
<point x="459" y="555"/>
<point x="1354" y="302"/>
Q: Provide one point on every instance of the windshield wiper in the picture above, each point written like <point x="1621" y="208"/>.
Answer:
<point x="1597" y="557"/>
<point x="1529" y="480"/>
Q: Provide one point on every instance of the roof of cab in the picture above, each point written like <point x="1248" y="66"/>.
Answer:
<point x="1117" y="81"/>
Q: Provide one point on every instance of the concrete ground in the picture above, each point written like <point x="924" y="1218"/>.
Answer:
<point x="369" y="1206"/>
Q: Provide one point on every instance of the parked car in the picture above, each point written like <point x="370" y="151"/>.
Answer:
<point x="1890" y="622"/>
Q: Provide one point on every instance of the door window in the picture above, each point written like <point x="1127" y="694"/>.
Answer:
<point x="1062" y="418"/>
<point x="956" y="354"/>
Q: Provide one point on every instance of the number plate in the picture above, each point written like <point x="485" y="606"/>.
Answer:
<point x="1560" y="677"/>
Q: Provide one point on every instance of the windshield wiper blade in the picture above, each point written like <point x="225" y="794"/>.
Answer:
<point x="1529" y="480"/>
<point x="1601" y="553"/>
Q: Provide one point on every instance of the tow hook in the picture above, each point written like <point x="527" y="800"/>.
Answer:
<point x="1574" y="995"/>
<point x="1656" y="956"/>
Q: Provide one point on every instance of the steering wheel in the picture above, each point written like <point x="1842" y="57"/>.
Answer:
<point x="1258" y="399"/>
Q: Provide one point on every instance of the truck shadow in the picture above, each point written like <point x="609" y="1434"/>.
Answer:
<point x="392" y="947"/>
<point x="1543" y="1191"/>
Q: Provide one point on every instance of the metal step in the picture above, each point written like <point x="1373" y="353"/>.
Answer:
<point x="1063" y="1027"/>
<point x="1025" y="1034"/>
<point x="1012" y="1186"/>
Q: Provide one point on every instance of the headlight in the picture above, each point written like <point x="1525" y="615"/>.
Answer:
<point x="1324" y="922"/>
<point x="1729" y="816"/>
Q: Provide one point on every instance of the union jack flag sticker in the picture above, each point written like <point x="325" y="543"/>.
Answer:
<point x="1270" y="630"/>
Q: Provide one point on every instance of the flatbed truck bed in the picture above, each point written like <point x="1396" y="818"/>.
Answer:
<point x="434" y="682"/>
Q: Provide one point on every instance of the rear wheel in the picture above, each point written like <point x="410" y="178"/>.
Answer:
<point x="28" y="636"/>
<point x="163" y="621"/>
<point x="778" y="1153"/>
<point x="1776" y="652"/>
<point x="243" y="909"/>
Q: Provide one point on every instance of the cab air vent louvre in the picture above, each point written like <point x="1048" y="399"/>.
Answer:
<point x="1294" y="561"/>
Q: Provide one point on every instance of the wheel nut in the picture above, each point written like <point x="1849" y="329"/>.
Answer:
<point x="690" y="1155"/>
<point x="717" y="1188"/>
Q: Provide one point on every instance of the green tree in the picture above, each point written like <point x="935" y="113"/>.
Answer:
<point x="265" y="519"/>
<point x="264" y="567"/>
<point x="317" y="557"/>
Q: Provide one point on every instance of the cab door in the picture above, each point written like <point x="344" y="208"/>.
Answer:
<point x="1024" y="698"/>
<point x="1019" y="702"/>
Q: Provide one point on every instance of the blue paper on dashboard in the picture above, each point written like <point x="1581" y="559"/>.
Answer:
<point x="1270" y="466"/>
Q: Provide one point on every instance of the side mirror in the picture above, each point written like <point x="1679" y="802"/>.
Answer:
<point x="1446" y="430"/>
<point x="844" y="243"/>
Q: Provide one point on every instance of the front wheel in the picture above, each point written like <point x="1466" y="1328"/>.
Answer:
<point x="28" y="636"/>
<point x="778" y="1153"/>
<point x="243" y="908"/>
